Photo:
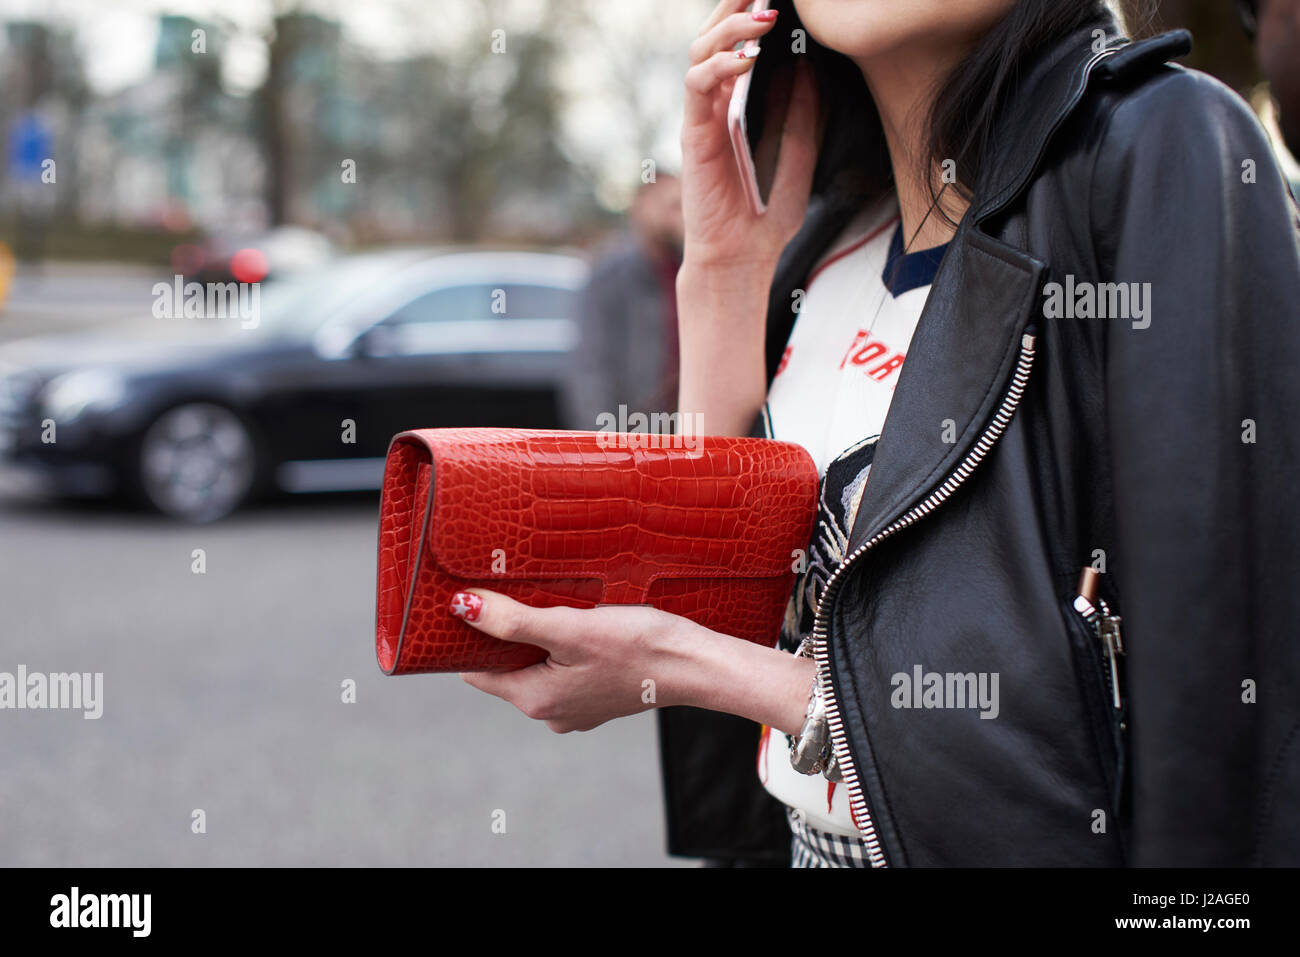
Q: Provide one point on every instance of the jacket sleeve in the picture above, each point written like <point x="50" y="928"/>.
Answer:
<point x="1203" y="415"/>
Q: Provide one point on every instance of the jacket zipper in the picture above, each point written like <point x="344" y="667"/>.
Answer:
<point x="820" y="646"/>
<point x="1103" y="629"/>
<point x="1106" y="627"/>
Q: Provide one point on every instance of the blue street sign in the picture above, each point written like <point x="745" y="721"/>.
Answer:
<point x="30" y="145"/>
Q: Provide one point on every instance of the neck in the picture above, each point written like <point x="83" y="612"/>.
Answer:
<point x="903" y="84"/>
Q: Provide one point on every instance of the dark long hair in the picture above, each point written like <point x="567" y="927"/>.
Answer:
<point x="854" y="164"/>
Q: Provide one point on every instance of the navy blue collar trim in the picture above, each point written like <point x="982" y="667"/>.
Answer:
<point x="904" y="273"/>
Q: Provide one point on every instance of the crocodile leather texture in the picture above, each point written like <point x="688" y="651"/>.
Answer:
<point x="712" y="533"/>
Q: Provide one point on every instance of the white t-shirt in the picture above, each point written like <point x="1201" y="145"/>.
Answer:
<point x="830" y="394"/>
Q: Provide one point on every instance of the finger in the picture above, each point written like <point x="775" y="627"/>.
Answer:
<point x="499" y="683"/>
<point x="527" y="689"/>
<point x="725" y="88"/>
<point x="703" y="78"/>
<point x="723" y="9"/>
<point x="724" y="35"/>
<point x="503" y="617"/>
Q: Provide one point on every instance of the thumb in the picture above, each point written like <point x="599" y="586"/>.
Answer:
<point x="502" y="617"/>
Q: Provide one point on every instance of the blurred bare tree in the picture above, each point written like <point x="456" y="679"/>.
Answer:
<point x="494" y="129"/>
<point x="465" y="134"/>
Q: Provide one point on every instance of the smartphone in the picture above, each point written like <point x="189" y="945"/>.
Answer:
<point x="756" y="113"/>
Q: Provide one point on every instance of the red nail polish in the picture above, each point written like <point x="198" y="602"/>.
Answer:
<point x="466" y="605"/>
<point x="765" y="16"/>
<point x="747" y="53"/>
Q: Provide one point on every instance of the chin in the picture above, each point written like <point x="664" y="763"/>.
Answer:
<point x="866" y="29"/>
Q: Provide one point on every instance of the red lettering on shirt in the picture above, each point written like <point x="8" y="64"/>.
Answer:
<point x="785" y="360"/>
<point x="882" y="371"/>
<point x="869" y="353"/>
<point x="873" y="355"/>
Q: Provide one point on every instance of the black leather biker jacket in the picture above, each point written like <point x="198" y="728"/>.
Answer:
<point x="1033" y="432"/>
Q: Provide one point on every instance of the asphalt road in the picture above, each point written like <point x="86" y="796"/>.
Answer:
<point x="75" y="296"/>
<point x="222" y="692"/>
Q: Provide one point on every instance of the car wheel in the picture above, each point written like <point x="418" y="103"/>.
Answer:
<point x="197" y="462"/>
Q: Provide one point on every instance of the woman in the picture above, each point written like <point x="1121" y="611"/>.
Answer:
<point x="1088" y="260"/>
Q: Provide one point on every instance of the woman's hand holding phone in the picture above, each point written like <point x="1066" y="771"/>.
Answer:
<point x="731" y="252"/>
<point x="721" y="229"/>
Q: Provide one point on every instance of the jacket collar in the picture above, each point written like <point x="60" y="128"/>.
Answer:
<point x="1052" y="86"/>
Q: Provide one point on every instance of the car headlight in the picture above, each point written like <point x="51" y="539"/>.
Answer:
<point x="70" y="395"/>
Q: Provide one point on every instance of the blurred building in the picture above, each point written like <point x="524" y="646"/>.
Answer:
<point x="174" y="150"/>
<point x="334" y="139"/>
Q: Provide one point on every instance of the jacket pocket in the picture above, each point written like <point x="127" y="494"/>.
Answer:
<point x="1101" y="683"/>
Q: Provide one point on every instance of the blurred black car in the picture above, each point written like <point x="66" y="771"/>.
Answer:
<point x="195" y="415"/>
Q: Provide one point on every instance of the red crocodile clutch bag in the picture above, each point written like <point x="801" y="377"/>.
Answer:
<point x="712" y="532"/>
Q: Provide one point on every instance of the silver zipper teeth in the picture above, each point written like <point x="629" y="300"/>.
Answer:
<point x="858" y="803"/>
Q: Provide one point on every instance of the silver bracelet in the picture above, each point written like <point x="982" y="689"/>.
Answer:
<point x="811" y="751"/>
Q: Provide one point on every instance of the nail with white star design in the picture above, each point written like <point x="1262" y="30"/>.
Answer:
<point x="466" y="605"/>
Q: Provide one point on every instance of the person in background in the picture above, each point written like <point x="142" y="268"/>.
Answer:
<point x="1274" y="27"/>
<point x="628" y="355"/>
<point x="627" y="351"/>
